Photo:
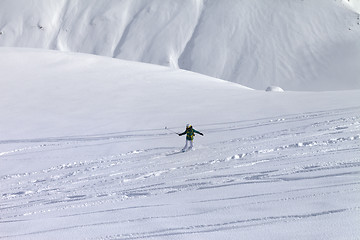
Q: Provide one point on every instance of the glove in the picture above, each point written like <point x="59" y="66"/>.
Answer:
<point x="201" y="134"/>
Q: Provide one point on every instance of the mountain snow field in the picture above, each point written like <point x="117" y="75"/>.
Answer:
<point x="84" y="154"/>
<point x="93" y="95"/>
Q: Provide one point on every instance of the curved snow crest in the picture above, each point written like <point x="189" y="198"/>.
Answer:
<point x="300" y="45"/>
<point x="72" y="91"/>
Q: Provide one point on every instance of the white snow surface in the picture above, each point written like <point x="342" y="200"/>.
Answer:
<point x="84" y="154"/>
<point x="353" y="5"/>
<point x="307" y="45"/>
<point x="274" y="89"/>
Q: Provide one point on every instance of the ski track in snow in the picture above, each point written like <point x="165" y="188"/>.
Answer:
<point x="309" y="159"/>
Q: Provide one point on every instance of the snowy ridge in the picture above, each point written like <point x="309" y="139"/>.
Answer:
<point x="53" y="92"/>
<point x="297" y="45"/>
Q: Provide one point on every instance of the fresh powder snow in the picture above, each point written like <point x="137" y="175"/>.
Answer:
<point x="84" y="154"/>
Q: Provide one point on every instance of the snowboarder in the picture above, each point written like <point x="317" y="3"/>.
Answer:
<point x="190" y="133"/>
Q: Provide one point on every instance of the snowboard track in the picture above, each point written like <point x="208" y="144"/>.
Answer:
<point x="318" y="150"/>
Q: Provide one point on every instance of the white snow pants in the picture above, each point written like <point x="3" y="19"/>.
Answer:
<point x="186" y="144"/>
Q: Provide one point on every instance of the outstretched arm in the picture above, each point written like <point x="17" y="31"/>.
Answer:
<point x="198" y="132"/>
<point x="180" y="134"/>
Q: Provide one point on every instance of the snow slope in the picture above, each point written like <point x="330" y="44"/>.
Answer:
<point x="297" y="45"/>
<point x="353" y="5"/>
<point x="84" y="154"/>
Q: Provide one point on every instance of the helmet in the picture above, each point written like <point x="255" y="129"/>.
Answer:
<point x="188" y="126"/>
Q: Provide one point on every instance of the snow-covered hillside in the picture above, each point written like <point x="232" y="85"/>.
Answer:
<point x="295" y="44"/>
<point x="84" y="154"/>
<point x="353" y="5"/>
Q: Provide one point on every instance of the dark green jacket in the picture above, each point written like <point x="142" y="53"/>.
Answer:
<point x="190" y="133"/>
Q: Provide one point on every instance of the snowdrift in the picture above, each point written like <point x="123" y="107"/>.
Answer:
<point x="50" y="92"/>
<point x="54" y="93"/>
<point x="274" y="89"/>
<point x="297" y="45"/>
